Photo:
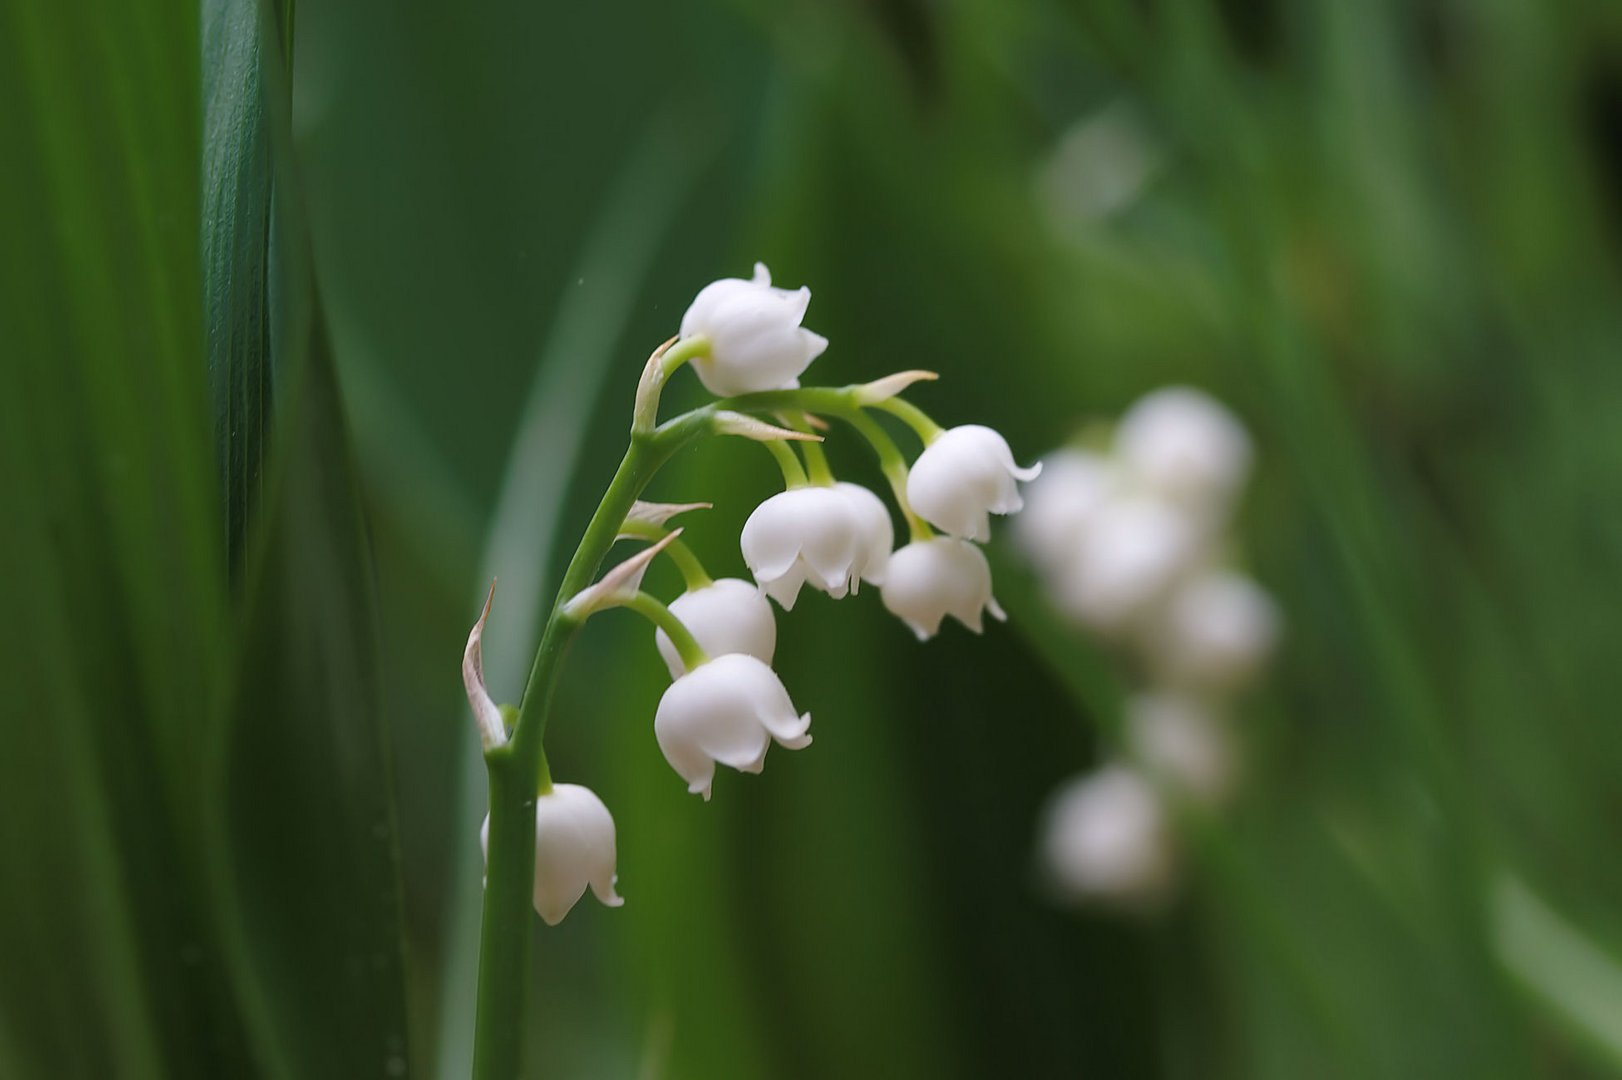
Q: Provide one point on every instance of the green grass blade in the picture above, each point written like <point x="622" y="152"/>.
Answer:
<point x="307" y="830"/>
<point x="237" y="192"/>
<point x="114" y="618"/>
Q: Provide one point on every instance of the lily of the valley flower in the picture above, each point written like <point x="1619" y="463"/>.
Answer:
<point x="930" y="579"/>
<point x="875" y="533"/>
<point x="756" y="341"/>
<point x="1108" y="840"/>
<point x="1183" y="445"/>
<point x="1216" y="631"/>
<point x="1127" y="561"/>
<point x="725" y="616"/>
<point x="1075" y="486"/>
<point x="726" y="711"/>
<point x="964" y="475"/>
<point x="1182" y="742"/>
<point x="574" y="848"/>
<point x="808" y="535"/>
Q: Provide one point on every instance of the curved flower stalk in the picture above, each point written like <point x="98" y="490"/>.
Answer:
<point x="746" y="342"/>
<point x="1129" y="536"/>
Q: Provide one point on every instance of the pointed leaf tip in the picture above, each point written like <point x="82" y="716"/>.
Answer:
<point x="652" y="513"/>
<point x="728" y="422"/>
<point x="619" y="583"/>
<point x="486" y="713"/>
<point x="888" y="387"/>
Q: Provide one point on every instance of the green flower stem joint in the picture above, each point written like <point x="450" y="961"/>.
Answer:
<point x="725" y="705"/>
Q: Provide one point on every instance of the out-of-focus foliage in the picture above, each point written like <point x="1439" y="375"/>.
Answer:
<point x="1386" y="234"/>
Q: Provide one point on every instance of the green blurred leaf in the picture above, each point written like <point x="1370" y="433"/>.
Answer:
<point x="237" y="185"/>
<point x="308" y="818"/>
<point x="115" y="622"/>
<point x="306" y="832"/>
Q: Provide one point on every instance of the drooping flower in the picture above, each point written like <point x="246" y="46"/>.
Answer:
<point x="725" y="616"/>
<point x="726" y="711"/>
<point x="808" y="535"/>
<point x="1183" y="445"/>
<point x="1128" y="560"/>
<point x="930" y="579"/>
<point x="1074" y="487"/>
<point x="875" y="533"/>
<point x="574" y="848"/>
<point x="963" y="476"/>
<point x="1182" y="742"/>
<point x="756" y="340"/>
<point x="1107" y="839"/>
<point x="1215" y="633"/>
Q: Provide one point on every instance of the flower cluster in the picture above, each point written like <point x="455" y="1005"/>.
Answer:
<point x="1132" y="540"/>
<point x="725" y="704"/>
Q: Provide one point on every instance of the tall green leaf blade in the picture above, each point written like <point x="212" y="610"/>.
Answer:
<point x="113" y="615"/>
<point x="237" y="184"/>
<point x="308" y="825"/>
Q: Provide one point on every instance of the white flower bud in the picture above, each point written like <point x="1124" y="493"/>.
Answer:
<point x="930" y="579"/>
<point x="1182" y="742"/>
<point x="1128" y="560"/>
<point x="1060" y="504"/>
<point x="1107" y="840"/>
<point x="804" y="535"/>
<point x="1215" y="633"/>
<point x="875" y="533"/>
<point x="574" y="847"/>
<point x="728" y="711"/>
<point x="726" y="616"/>
<point x="1184" y="445"/>
<point x="967" y="473"/>
<point x="756" y="341"/>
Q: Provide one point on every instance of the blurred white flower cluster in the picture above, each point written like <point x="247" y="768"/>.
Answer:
<point x="1133" y="543"/>
<point x="725" y="704"/>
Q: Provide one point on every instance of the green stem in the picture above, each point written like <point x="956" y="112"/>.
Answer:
<point x="793" y="474"/>
<point x="913" y="416"/>
<point x="543" y="778"/>
<point x="516" y="769"/>
<point x="816" y="462"/>
<point x="894" y="467"/>
<point x="841" y="403"/>
<point x="660" y="367"/>
<point x="693" y="574"/>
<point x="649" y="607"/>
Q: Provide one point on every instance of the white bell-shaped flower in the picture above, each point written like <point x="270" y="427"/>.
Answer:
<point x="1074" y="487"/>
<point x="756" y="340"/>
<point x="1215" y="632"/>
<point x="574" y="848"/>
<point x="875" y="533"/>
<point x="963" y="476"/>
<point x="930" y="579"/>
<point x="725" y="616"/>
<point x="1128" y="560"/>
<point x="1183" y="742"/>
<point x="727" y="710"/>
<point x="808" y="535"/>
<point x="1184" y="445"/>
<point x="1107" y="840"/>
